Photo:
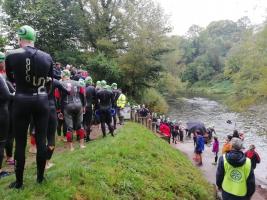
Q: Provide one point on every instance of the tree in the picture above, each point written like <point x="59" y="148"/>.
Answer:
<point x="116" y="39"/>
<point x="51" y="19"/>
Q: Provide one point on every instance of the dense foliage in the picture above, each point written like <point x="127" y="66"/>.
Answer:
<point x="117" y="40"/>
<point x="225" y="57"/>
<point x="125" y="41"/>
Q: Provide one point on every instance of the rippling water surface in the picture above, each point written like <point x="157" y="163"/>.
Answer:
<point x="253" y="123"/>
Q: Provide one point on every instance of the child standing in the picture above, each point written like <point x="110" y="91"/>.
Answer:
<point x="215" y="149"/>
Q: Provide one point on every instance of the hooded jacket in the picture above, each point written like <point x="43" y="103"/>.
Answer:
<point x="236" y="159"/>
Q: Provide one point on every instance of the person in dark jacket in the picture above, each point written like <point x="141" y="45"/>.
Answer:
<point x="236" y="134"/>
<point x="235" y="175"/>
<point x="144" y="111"/>
<point x="57" y="71"/>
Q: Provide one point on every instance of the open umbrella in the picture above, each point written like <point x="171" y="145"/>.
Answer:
<point x="196" y="125"/>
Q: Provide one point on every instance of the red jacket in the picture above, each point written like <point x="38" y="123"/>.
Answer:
<point x="165" y="130"/>
<point x="254" y="157"/>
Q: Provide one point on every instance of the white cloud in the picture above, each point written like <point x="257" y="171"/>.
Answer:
<point x="184" y="13"/>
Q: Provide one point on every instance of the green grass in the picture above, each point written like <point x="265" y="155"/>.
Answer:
<point x="135" y="164"/>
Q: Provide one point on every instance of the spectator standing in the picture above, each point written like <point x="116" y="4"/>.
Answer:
<point x="235" y="175"/>
<point x="253" y="155"/>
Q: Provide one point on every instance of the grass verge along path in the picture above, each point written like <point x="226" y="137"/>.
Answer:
<point x="135" y="164"/>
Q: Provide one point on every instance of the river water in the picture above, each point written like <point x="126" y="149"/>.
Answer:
<point x="253" y="123"/>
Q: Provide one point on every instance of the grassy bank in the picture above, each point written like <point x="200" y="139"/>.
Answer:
<point x="225" y="92"/>
<point x="135" y="164"/>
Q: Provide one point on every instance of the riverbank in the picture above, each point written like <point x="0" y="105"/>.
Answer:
<point x="134" y="164"/>
<point x="225" y="92"/>
<point x="209" y="170"/>
<point x="210" y="112"/>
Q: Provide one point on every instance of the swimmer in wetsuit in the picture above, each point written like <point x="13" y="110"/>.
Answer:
<point x="104" y="101"/>
<point x="90" y="94"/>
<point x="29" y="68"/>
<point x="73" y="105"/>
<point x="5" y="96"/>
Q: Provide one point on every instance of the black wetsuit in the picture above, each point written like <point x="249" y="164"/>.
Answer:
<point x="116" y="94"/>
<point x="72" y="105"/>
<point x="10" y="135"/>
<point x="105" y="101"/>
<point x="29" y="68"/>
<point x="90" y="95"/>
<point x="4" y="116"/>
<point x="52" y="122"/>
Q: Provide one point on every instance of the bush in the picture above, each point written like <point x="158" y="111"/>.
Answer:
<point x="155" y="101"/>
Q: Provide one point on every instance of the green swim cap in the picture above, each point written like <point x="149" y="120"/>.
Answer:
<point x="2" y="57"/>
<point x="88" y="80"/>
<point x="98" y="83"/>
<point x="114" y="86"/>
<point x="103" y="83"/>
<point x="65" y="73"/>
<point x="108" y="87"/>
<point x="27" y="33"/>
<point x="82" y="82"/>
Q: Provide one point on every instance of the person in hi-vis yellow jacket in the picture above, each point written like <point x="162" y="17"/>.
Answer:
<point x="121" y="102"/>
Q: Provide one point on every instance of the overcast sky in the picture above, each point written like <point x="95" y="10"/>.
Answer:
<point x="184" y="13"/>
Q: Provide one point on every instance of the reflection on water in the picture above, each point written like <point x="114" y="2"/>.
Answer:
<point x="253" y="123"/>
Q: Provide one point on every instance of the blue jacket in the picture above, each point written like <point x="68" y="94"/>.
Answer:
<point x="200" y="143"/>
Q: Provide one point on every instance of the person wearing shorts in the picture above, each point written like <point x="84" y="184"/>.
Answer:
<point x="73" y="105"/>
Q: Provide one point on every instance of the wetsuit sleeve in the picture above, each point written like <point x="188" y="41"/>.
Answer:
<point x="112" y="99"/>
<point x="251" y="183"/>
<point x="94" y="97"/>
<point x="82" y="96"/>
<point x="4" y="91"/>
<point x="9" y="70"/>
<point x="60" y="87"/>
<point x="220" y="173"/>
<point x="10" y="87"/>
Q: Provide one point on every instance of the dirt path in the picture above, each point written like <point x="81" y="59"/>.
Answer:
<point x="208" y="169"/>
<point x="61" y="147"/>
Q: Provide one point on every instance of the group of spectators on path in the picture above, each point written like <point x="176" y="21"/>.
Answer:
<point x="235" y="171"/>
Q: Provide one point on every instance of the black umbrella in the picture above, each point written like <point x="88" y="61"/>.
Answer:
<point x="192" y="126"/>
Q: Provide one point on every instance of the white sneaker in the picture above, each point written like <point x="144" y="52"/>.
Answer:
<point x="49" y="165"/>
<point x="82" y="146"/>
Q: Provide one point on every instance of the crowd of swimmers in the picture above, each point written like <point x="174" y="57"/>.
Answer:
<point x="42" y="97"/>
